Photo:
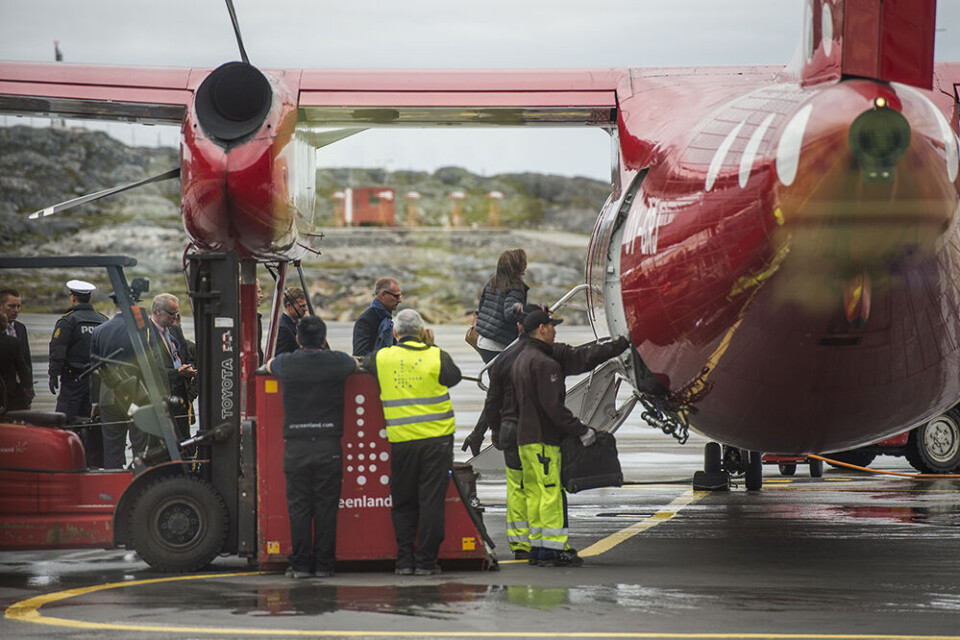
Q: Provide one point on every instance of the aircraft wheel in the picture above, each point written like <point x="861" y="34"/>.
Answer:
<point x="935" y="446"/>
<point x="754" y="474"/>
<point x="178" y="524"/>
<point x="711" y="457"/>
<point x="816" y="468"/>
<point x="787" y="469"/>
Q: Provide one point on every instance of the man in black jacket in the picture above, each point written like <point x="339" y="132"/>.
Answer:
<point x="313" y="380"/>
<point x="374" y="328"/>
<point x="70" y="351"/>
<point x="10" y="306"/>
<point x="500" y="414"/>
<point x="294" y="308"/>
<point x="542" y="421"/>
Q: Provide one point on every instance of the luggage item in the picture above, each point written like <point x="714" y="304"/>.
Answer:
<point x="590" y="467"/>
<point x="472" y="334"/>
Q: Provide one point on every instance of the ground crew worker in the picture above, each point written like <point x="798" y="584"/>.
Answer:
<point x="414" y="376"/>
<point x="543" y="420"/>
<point x="500" y="415"/>
<point x="313" y="385"/>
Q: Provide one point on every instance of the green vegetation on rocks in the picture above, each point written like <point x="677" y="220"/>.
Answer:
<point x="441" y="269"/>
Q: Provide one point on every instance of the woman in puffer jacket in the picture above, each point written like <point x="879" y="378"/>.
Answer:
<point x="501" y="302"/>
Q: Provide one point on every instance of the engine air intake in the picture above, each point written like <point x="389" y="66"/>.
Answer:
<point x="233" y="101"/>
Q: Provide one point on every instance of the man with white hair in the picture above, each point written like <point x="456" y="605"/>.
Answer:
<point x="170" y="347"/>
<point x="414" y="376"/>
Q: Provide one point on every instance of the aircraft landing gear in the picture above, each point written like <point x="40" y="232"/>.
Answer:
<point x="720" y="462"/>
<point x="713" y="477"/>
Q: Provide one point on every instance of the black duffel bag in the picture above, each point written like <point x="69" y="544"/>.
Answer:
<point x="590" y="467"/>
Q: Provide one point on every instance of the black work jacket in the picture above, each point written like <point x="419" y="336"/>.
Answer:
<point x="70" y="344"/>
<point x="538" y="380"/>
<point x="501" y="400"/>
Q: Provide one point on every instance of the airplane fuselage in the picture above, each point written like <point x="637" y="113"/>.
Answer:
<point x="787" y="271"/>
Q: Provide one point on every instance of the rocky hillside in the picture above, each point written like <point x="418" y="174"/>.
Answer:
<point x="442" y="270"/>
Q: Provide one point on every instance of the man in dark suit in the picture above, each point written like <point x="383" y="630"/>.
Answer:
<point x="169" y="346"/>
<point x="13" y="368"/>
<point x="294" y="308"/>
<point x="10" y="306"/>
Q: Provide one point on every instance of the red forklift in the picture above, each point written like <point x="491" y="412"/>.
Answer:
<point x="222" y="491"/>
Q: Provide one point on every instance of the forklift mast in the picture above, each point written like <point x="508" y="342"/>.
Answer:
<point x="214" y="289"/>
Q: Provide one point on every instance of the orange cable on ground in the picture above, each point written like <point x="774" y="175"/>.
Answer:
<point x="916" y="476"/>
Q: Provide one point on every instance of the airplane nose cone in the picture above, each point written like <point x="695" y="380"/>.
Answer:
<point x="878" y="139"/>
<point x="866" y="176"/>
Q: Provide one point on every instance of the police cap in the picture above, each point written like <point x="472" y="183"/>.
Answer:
<point x="80" y="287"/>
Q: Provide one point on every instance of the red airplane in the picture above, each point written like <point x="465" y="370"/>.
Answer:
<point x="780" y="243"/>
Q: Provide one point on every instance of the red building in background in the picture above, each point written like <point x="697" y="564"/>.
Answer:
<point x="365" y="207"/>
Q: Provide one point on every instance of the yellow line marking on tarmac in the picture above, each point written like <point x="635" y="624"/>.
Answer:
<point x="659" y="517"/>
<point x="29" y="610"/>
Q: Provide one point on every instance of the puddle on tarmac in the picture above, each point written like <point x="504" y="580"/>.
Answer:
<point x="445" y="601"/>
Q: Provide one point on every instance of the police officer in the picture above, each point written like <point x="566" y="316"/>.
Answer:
<point x="70" y="350"/>
<point x="414" y="376"/>
<point x="313" y="380"/>
<point x="69" y="356"/>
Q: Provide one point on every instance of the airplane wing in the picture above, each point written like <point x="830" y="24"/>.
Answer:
<point x="477" y="97"/>
<point x="380" y="97"/>
<point x="131" y="94"/>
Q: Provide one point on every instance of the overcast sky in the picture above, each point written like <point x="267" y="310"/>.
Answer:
<point x="425" y="34"/>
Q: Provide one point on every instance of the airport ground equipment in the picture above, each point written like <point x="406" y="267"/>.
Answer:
<point x="222" y="491"/>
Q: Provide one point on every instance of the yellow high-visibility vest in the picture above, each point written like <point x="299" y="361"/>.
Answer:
<point x="415" y="404"/>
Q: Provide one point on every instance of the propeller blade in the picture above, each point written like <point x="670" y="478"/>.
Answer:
<point x="236" y="30"/>
<point x="90" y="197"/>
<point x="322" y="137"/>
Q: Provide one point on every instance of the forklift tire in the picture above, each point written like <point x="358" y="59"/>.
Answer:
<point x="934" y="447"/>
<point x="178" y="524"/>
<point x="787" y="468"/>
<point x="754" y="473"/>
<point x="816" y="468"/>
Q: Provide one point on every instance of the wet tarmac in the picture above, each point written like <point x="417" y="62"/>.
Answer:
<point x="847" y="555"/>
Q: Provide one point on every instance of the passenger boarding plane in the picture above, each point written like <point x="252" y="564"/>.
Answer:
<point x="781" y="243"/>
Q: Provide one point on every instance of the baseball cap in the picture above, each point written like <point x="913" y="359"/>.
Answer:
<point x="535" y="318"/>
